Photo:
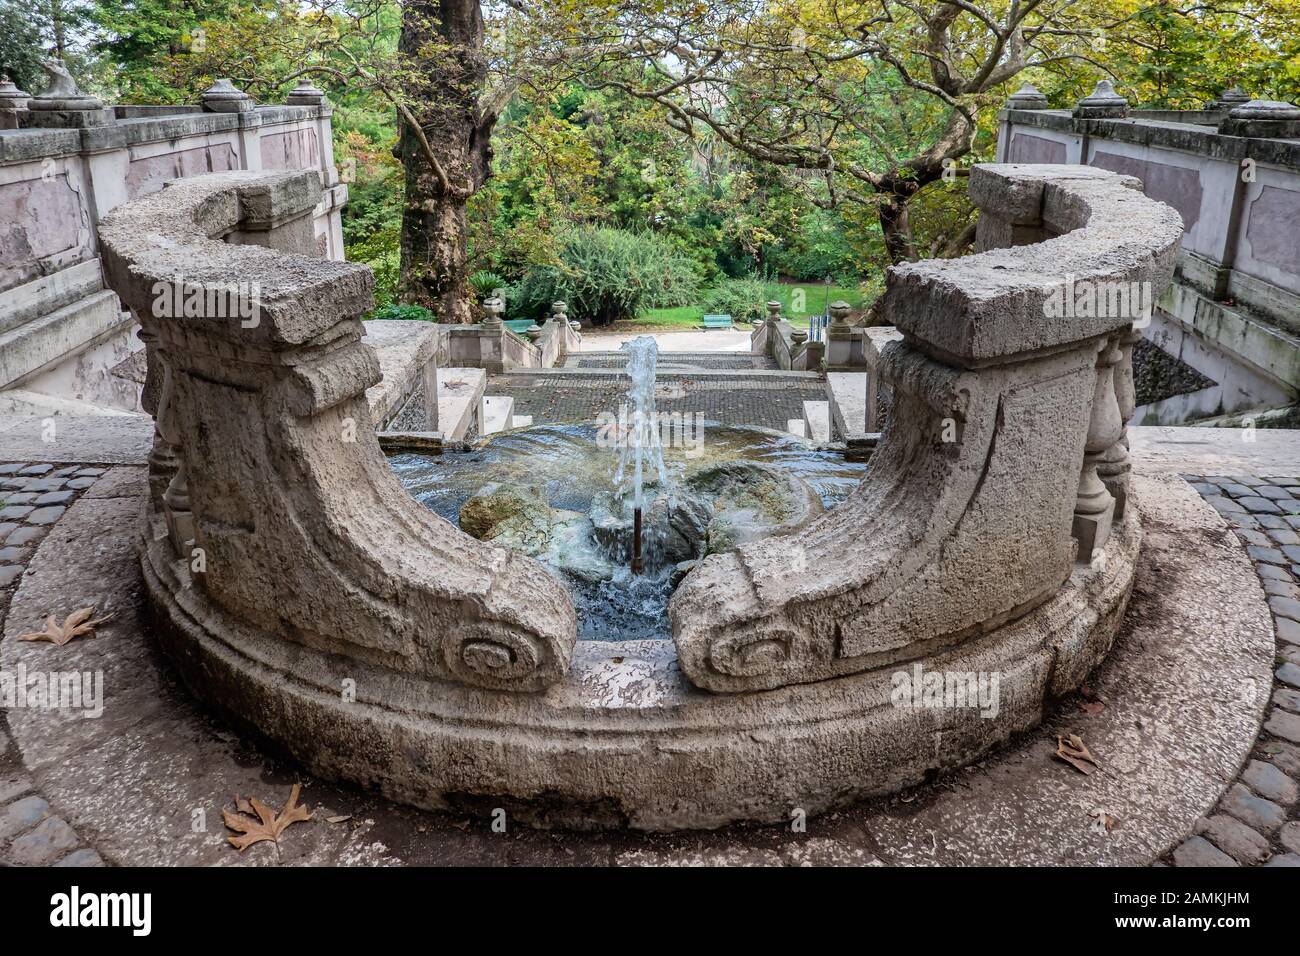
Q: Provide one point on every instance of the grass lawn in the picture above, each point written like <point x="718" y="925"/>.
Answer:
<point x="689" y="316"/>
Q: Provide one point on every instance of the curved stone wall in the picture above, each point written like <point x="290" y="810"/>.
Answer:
<point x="301" y="591"/>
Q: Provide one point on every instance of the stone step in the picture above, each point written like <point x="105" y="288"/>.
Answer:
<point x="817" y="418"/>
<point x="498" y="414"/>
<point x="44" y="295"/>
<point x="847" y="392"/>
<point x="46" y="341"/>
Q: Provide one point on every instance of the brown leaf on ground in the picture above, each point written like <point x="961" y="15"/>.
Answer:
<point x="1103" y="822"/>
<point x="269" y="825"/>
<point x="1074" y="751"/>
<point x="76" y="624"/>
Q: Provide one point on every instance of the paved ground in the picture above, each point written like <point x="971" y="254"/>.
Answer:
<point x="33" y="497"/>
<point x="718" y="340"/>
<point x="765" y="398"/>
<point x="1255" y="822"/>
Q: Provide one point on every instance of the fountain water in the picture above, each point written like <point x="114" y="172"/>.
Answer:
<point x="640" y="440"/>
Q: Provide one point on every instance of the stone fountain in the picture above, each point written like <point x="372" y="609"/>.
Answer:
<point x="994" y="534"/>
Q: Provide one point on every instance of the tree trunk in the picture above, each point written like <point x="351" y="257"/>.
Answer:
<point x="443" y="96"/>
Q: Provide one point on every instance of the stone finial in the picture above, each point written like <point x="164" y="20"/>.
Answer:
<point x="560" y="310"/>
<point x="224" y="97"/>
<point x="799" y="336"/>
<point x="1269" y="119"/>
<point x="534" y="332"/>
<point x="840" y="310"/>
<point x="13" y="102"/>
<point x="1028" y="97"/>
<point x="306" y="94"/>
<point x="12" y="98"/>
<point x="62" y="105"/>
<point x="1102" y="103"/>
<point x="494" y="308"/>
<point x="1229" y="99"/>
<point x="773" y="313"/>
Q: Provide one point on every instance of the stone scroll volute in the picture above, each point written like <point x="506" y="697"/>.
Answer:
<point x="301" y="530"/>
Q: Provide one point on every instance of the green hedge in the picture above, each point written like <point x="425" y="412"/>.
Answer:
<point x="606" y="275"/>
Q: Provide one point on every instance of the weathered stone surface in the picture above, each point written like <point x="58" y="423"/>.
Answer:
<point x="1235" y="838"/>
<point x="22" y="815"/>
<point x="1263" y="815"/>
<point x="1200" y="852"/>
<point x="1268" y="781"/>
<point x="51" y="839"/>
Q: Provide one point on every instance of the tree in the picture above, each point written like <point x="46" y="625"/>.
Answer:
<point x="445" y="144"/>
<point x="877" y="99"/>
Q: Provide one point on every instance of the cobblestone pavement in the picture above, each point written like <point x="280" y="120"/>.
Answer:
<point x="675" y="361"/>
<point x="766" y="399"/>
<point x="1258" y="820"/>
<point x="33" y="496"/>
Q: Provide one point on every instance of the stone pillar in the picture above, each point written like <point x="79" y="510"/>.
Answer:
<point x="1102" y="103"/>
<point x="63" y="106"/>
<point x="840" y="339"/>
<point x="306" y="94"/>
<point x="431" y="394"/>
<point x="1028" y="97"/>
<point x="1228" y="100"/>
<point x="1114" y="468"/>
<point x="1094" y="507"/>
<point x="13" y="104"/>
<point x="224" y="97"/>
<point x="1267" y="119"/>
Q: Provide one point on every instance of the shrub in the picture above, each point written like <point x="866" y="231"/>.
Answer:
<point x="395" y="311"/>
<point x="605" y="275"/>
<point x="744" y="299"/>
<point x="485" y="282"/>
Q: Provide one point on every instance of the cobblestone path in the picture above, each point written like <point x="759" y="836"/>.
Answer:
<point x="1256" y="820"/>
<point x="33" y="496"/>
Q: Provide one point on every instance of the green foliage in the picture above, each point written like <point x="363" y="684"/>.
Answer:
<point x="605" y="275"/>
<point x="485" y="282"/>
<point x="410" y="312"/>
<point x="744" y="299"/>
<point x="20" y="47"/>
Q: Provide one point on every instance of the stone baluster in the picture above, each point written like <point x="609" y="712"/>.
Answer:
<point x="163" y="460"/>
<point x="1094" y="507"/>
<point x="840" y="339"/>
<point x="176" y="497"/>
<point x="1114" y="468"/>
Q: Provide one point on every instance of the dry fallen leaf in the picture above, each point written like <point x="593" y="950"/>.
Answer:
<point x="268" y="825"/>
<point x="1103" y="822"/>
<point x="76" y="624"/>
<point x="1074" y="751"/>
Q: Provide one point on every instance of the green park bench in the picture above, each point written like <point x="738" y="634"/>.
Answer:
<point x="718" y="322"/>
<point x="518" y="326"/>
